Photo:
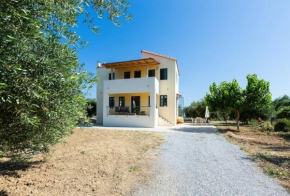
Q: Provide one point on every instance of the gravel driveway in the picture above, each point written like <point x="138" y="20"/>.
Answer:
<point x="198" y="161"/>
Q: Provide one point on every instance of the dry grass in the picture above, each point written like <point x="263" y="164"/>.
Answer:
<point x="92" y="162"/>
<point x="270" y="150"/>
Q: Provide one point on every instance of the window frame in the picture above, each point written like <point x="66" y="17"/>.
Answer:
<point x="162" y="99"/>
<point x="110" y="78"/>
<point x="149" y="101"/>
<point x="110" y="98"/>
<point x="149" y="73"/>
<point x="126" y="73"/>
<point x="136" y="72"/>
<point x="162" y="77"/>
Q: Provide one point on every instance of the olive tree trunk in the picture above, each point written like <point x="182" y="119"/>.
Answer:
<point x="238" y="119"/>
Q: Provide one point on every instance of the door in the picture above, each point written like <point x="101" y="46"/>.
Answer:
<point x="135" y="104"/>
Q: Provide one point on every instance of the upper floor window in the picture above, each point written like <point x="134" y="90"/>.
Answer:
<point x="111" y="102"/>
<point x="151" y="73"/>
<point x="163" y="100"/>
<point x="163" y="74"/>
<point x="110" y="78"/>
<point x="127" y="75"/>
<point x="137" y="74"/>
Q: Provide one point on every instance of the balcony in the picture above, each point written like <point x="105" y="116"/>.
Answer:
<point x="136" y="85"/>
<point x="129" y="111"/>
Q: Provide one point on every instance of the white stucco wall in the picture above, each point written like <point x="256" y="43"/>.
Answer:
<point x="103" y="74"/>
<point x="167" y="87"/>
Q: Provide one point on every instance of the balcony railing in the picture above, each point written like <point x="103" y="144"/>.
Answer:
<point x="129" y="110"/>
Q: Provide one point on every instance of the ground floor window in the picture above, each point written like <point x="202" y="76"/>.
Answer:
<point x="163" y="100"/>
<point x="111" y="102"/>
<point x="149" y="101"/>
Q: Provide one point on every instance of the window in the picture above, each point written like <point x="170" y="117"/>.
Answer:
<point x="163" y="100"/>
<point x="127" y="75"/>
<point x="149" y="101"/>
<point x="163" y="74"/>
<point x="151" y="73"/>
<point x="122" y="101"/>
<point x="137" y="74"/>
<point x="110" y="76"/>
<point x="111" y="102"/>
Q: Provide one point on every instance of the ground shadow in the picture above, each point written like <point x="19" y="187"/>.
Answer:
<point x="277" y="148"/>
<point x="285" y="136"/>
<point x="276" y="160"/>
<point x="193" y="129"/>
<point x="3" y="193"/>
<point x="9" y="168"/>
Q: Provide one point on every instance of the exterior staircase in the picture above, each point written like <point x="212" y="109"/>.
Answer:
<point x="163" y="122"/>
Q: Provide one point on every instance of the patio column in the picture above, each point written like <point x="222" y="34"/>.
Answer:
<point x="153" y="107"/>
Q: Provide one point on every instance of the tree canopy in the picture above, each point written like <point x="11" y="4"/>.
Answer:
<point x="230" y="96"/>
<point x="41" y="80"/>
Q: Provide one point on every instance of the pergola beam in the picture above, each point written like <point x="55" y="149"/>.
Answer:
<point x="132" y="63"/>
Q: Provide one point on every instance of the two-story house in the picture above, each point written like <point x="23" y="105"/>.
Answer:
<point x="138" y="93"/>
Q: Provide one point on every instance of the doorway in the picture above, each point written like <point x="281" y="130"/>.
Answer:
<point x="135" y="104"/>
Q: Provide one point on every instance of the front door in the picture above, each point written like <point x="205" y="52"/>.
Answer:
<point x="135" y="104"/>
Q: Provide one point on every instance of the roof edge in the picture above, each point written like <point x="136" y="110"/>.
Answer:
<point x="160" y="55"/>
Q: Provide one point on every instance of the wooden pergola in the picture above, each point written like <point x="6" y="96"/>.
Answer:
<point x="131" y="63"/>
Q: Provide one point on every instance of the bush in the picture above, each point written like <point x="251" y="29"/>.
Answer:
<point x="283" y="113"/>
<point x="266" y="126"/>
<point x="91" y="107"/>
<point x="282" y="125"/>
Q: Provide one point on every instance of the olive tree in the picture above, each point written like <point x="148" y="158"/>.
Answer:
<point x="230" y="96"/>
<point x="41" y="80"/>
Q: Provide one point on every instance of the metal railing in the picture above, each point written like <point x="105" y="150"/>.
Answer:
<point x="129" y="110"/>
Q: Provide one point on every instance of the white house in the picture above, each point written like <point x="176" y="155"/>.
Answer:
<point x="138" y="93"/>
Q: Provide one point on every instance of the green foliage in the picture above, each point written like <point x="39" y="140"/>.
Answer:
<point x="41" y="81"/>
<point x="91" y="107"/>
<point x="142" y="112"/>
<point x="281" y="102"/>
<point x="266" y="126"/>
<point x="230" y="96"/>
<point x="284" y="112"/>
<point x="282" y="125"/>
<point x="196" y="109"/>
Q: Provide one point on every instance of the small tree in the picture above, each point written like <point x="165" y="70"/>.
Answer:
<point x="230" y="96"/>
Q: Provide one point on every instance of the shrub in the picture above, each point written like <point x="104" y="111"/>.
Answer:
<point x="142" y="113"/>
<point x="91" y="107"/>
<point x="283" y="113"/>
<point x="282" y="125"/>
<point x="266" y="126"/>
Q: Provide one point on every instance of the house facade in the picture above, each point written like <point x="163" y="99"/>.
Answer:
<point x="138" y="93"/>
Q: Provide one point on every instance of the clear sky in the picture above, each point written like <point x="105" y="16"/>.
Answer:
<point x="213" y="41"/>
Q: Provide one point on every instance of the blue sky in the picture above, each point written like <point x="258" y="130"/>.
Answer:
<point x="213" y="41"/>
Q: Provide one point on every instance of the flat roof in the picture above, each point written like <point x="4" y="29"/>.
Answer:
<point x="131" y="63"/>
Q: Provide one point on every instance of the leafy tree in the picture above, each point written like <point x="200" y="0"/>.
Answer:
<point x="230" y="96"/>
<point x="41" y="81"/>
<point x="281" y="102"/>
<point x="196" y="109"/>
<point x="91" y="107"/>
